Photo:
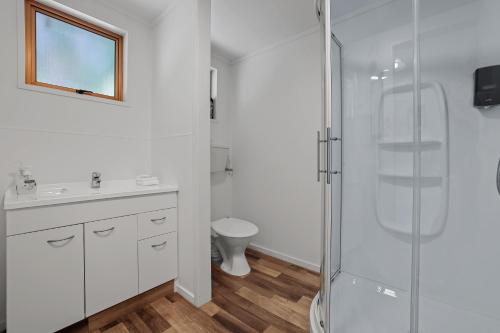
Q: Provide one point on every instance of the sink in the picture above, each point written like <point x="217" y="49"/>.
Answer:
<point x="52" y="191"/>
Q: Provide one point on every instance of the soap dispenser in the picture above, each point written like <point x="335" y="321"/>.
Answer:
<point x="26" y="184"/>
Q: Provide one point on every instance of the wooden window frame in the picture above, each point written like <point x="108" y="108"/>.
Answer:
<point x="31" y="8"/>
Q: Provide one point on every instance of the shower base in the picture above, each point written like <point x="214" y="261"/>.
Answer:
<point x="360" y="305"/>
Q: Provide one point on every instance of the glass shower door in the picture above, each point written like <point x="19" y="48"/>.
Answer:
<point x="370" y="293"/>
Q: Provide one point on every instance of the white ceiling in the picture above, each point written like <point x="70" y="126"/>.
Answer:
<point x="146" y="10"/>
<point x="240" y="27"/>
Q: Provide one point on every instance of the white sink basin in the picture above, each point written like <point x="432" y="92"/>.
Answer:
<point x="52" y="191"/>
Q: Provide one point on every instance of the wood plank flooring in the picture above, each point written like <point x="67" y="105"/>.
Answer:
<point x="274" y="298"/>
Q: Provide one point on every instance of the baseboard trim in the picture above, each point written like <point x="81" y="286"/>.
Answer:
<point x="184" y="292"/>
<point x="296" y="261"/>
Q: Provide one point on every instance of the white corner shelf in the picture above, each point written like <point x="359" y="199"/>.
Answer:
<point x="408" y="178"/>
<point x="409" y="145"/>
<point x="396" y="142"/>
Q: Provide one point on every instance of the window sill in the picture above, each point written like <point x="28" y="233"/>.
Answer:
<point x="50" y="91"/>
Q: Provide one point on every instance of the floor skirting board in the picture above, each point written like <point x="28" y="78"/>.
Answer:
<point x="184" y="292"/>
<point x="299" y="262"/>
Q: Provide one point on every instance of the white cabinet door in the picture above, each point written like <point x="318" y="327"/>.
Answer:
<point x="111" y="273"/>
<point x="45" y="280"/>
<point x="157" y="261"/>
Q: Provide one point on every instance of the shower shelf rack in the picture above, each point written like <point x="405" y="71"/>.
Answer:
<point x="396" y="179"/>
<point x="425" y="144"/>
<point x="409" y="177"/>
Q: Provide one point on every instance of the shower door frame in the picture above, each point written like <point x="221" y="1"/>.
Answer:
<point x="325" y="145"/>
<point x="323" y="10"/>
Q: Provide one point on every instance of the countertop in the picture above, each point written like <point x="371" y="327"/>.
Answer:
<point x="64" y="193"/>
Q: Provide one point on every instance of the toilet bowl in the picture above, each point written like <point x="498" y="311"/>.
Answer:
<point x="233" y="237"/>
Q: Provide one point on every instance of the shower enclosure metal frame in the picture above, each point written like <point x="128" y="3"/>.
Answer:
<point x="326" y="174"/>
<point x="323" y="12"/>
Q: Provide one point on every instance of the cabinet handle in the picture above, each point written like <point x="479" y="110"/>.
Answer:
<point x="159" y="221"/>
<point x="65" y="240"/>
<point x="109" y="231"/>
<point x="159" y="245"/>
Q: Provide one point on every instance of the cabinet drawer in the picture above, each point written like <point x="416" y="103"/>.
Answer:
<point x="110" y="262"/>
<point x="45" y="280"/>
<point x="157" y="223"/>
<point x="157" y="261"/>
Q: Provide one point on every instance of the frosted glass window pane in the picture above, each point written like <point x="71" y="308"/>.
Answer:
<point x="73" y="57"/>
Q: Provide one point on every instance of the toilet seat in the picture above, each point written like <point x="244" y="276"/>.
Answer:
<point x="235" y="228"/>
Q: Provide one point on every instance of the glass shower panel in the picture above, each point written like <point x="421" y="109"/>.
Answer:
<point x="372" y="292"/>
<point x="459" y="287"/>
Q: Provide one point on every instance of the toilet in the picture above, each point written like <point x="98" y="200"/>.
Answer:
<point x="233" y="237"/>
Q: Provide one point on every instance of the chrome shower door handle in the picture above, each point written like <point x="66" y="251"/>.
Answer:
<point x="318" y="157"/>
<point x="328" y="155"/>
<point x="319" y="141"/>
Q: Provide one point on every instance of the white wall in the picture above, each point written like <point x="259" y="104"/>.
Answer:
<point x="63" y="138"/>
<point x="276" y="115"/>
<point x="181" y="134"/>
<point x="221" y="134"/>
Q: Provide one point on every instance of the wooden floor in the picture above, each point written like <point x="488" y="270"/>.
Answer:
<point x="274" y="297"/>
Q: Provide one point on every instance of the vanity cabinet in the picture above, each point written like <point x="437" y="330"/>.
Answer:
<point x="45" y="286"/>
<point x="111" y="272"/>
<point x="110" y="250"/>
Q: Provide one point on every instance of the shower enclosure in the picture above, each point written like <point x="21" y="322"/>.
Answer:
<point x="409" y="168"/>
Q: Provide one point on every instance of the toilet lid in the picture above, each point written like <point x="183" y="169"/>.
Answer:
<point x="231" y="227"/>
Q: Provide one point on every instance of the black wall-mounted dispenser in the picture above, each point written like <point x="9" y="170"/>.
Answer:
<point x="487" y="86"/>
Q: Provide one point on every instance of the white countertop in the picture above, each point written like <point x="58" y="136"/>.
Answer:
<point x="51" y="194"/>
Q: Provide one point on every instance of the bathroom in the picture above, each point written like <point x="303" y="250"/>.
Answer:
<point x="249" y="166"/>
<point x="76" y="160"/>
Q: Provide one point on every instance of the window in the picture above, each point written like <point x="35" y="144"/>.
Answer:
<point x="66" y="53"/>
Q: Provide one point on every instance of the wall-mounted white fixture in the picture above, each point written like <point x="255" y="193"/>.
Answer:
<point x="220" y="159"/>
<point x="213" y="82"/>
<point x="213" y="93"/>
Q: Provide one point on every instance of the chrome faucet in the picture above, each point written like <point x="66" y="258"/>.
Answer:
<point x="96" y="180"/>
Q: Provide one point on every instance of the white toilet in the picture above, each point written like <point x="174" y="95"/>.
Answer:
<point x="234" y="235"/>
